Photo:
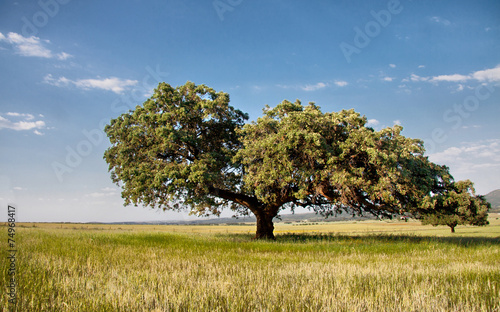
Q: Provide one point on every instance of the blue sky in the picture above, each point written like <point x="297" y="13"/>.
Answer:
<point x="67" y="67"/>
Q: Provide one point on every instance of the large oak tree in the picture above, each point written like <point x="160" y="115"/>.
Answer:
<point x="187" y="148"/>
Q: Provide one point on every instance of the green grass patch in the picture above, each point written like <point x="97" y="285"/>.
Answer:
<point x="139" y="270"/>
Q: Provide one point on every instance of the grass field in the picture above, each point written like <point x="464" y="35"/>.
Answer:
<point x="341" y="266"/>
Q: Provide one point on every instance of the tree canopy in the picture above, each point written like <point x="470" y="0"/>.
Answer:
<point x="458" y="205"/>
<point x="187" y="148"/>
<point x="177" y="149"/>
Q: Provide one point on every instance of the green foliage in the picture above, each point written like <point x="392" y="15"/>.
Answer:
<point x="187" y="147"/>
<point x="332" y="162"/>
<point x="168" y="152"/>
<point x="458" y="205"/>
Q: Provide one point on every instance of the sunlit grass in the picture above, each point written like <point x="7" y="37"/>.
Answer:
<point x="343" y="227"/>
<point x="220" y="268"/>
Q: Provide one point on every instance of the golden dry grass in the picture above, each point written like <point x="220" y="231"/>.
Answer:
<point x="345" y="266"/>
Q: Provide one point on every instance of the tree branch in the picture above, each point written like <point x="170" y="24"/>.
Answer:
<point x="250" y="202"/>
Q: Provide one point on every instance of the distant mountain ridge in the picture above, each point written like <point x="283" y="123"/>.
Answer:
<point x="494" y="199"/>
<point x="298" y="217"/>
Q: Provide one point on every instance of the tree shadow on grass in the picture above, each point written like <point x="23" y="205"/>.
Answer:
<point x="462" y="241"/>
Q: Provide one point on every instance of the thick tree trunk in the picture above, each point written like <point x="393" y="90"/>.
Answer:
<point x="452" y="225"/>
<point x="265" y="226"/>
<point x="263" y="213"/>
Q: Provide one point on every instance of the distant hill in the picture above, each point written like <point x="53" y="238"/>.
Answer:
<point x="285" y="218"/>
<point x="494" y="199"/>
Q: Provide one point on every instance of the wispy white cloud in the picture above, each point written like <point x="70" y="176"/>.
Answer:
<point x="392" y="65"/>
<point x="492" y="74"/>
<point x="114" y="84"/>
<point x="21" y="122"/>
<point x="59" y="82"/>
<point x="258" y="88"/>
<point x="372" y="122"/>
<point x="472" y="127"/>
<point x="319" y="85"/>
<point x="31" y="46"/>
<point x="340" y="83"/>
<point x="63" y="56"/>
<point x="415" y="78"/>
<point x="307" y="87"/>
<point x="397" y="122"/>
<point x="104" y="192"/>
<point x="404" y="88"/>
<point x="486" y="75"/>
<point x="453" y="78"/>
<point x="25" y="116"/>
<point x="440" y="20"/>
<point x="472" y="159"/>
<point x="389" y="79"/>
<point x="314" y="87"/>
